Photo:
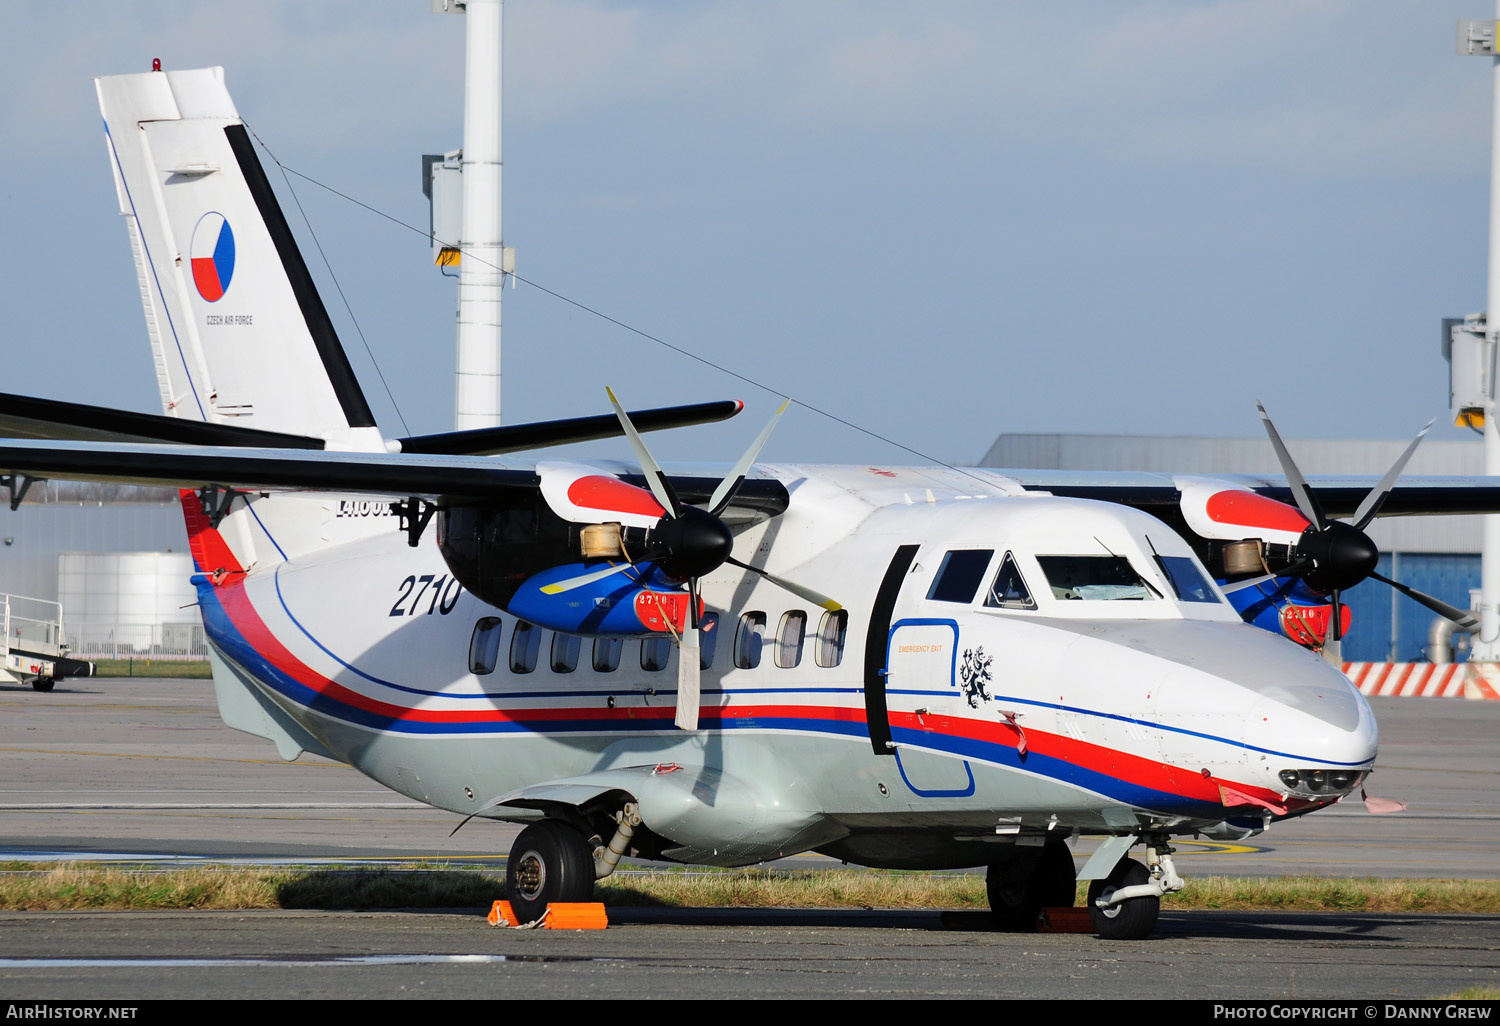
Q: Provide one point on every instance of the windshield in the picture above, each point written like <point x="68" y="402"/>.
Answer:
<point x="1186" y="579"/>
<point x="1094" y="578"/>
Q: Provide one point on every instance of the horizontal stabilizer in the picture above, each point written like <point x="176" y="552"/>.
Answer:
<point x="23" y="416"/>
<point x="493" y="441"/>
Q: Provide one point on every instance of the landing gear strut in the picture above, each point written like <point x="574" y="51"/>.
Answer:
<point x="1018" y="893"/>
<point x="549" y="862"/>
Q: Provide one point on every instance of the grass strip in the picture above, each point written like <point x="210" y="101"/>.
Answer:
<point x="1477" y="994"/>
<point x="72" y="886"/>
<point x="144" y="667"/>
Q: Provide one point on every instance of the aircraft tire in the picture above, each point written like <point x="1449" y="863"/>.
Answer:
<point x="1129" y="920"/>
<point x="43" y="683"/>
<point x="1053" y="883"/>
<point x="550" y="861"/>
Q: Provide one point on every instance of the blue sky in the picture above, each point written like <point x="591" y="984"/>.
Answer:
<point x="940" y="221"/>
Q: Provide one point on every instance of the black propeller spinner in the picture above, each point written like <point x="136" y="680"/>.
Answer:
<point x="1340" y="556"/>
<point x="692" y="543"/>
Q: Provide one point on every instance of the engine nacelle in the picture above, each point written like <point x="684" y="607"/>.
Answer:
<point x="515" y="556"/>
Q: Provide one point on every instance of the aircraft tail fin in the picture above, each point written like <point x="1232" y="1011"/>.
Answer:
<point x="238" y="331"/>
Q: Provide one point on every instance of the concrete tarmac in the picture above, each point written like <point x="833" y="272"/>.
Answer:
<point x="144" y="769"/>
<point x="737" y="953"/>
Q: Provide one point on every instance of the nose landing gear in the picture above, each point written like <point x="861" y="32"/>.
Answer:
<point x="1125" y="904"/>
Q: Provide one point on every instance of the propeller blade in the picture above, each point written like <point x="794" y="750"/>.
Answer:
<point x="801" y="591"/>
<point x="724" y="494"/>
<point x="689" y="670"/>
<point x="660" y="486"/>
<point x="1372" y="502"/>
<point x="1307" y="502"/>
<point x="1333" y="641"/>
<point x="689" y="674"/>
<point x="558" y="587"/>
<point x="1333" y="652"/>
<point x="1461" y="617"/>
<point x="1289" y="571"/>
<point x="1230" y="589"/>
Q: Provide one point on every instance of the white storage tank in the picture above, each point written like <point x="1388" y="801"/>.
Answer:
<point x="120" y="604"/>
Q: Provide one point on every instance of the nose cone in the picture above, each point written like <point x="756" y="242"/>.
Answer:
<point x="1291" y="738"/>
<point x="1250" y="705"/>
<point x="1310" y="734"/>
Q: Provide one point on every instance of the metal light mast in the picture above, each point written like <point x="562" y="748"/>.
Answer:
<point x="482" y="258"/>
<point x="1472" y="347"/>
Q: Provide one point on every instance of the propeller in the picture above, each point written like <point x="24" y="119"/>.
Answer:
<point x="1332" y="556"/>
<point x="689" y="543"/>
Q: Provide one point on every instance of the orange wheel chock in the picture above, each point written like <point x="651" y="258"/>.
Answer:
<point x="560" y="915"/>
<point x="578" y="915"/>
<point x="1065" y="920"/>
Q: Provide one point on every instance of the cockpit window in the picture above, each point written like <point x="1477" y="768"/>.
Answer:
<point x="959" y="575"/>
<point x="1186" y="579"/>
<point x="1009" y="590"/>
<point x="1094" y="578"/>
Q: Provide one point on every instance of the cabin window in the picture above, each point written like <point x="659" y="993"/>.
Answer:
<point x="789" y="637"/>
<point x="607" y="654"/>
<point x="708" y="640"/>
<point x="1095" y="579"/>
<point x="565" y="652"/>
<point x="959" y="575"/>
<point x="1186" y="579"/>
<point x="525" y="643"/>
<point x="1009" y="589"/>
<point x="654" y="653"/>
<point x="484" y="647"/>
<point x="831" y="631"/>
<point x="748" y="639"/>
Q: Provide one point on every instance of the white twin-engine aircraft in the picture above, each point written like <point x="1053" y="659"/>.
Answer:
<point x="899" y="667"/>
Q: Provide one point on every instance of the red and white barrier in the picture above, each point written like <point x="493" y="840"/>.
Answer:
<point x="1421" y="680"/>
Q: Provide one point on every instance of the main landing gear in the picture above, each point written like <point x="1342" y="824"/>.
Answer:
<point x="550" y="861"/>
<point x="1019" y="889"/>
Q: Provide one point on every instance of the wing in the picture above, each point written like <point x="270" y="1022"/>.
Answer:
<point x="1339" y="496"/>
<point x="27" y="417"/>
<point x="23" y="416"/>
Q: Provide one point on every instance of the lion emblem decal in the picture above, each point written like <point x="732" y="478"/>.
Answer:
<point x="974" y="675"/>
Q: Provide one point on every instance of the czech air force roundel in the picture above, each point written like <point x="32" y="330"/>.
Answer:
<point x="213" y="256"/>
